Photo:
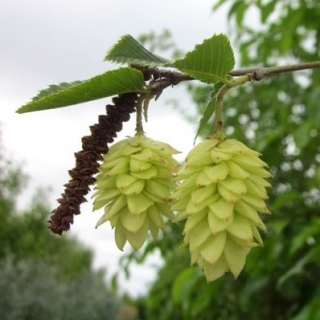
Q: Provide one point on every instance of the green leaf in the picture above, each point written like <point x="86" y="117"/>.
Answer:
<point x="279" y="224"/>
<point x="219" y="4"/>
<point x="209" y="109"/>
<point x="114" y="283"/>
<point x="238" y="9"/>
<point x="286" y="198"/>
<point x="311" y="310"/>
<point x="313" y="104"/>
<point x="129" y="50"/>
<point x="108" y="84"/>
<point x="302" y="135"/>
<point x="210" y="61"/>
<point x="183" y="284"/>
<point x="297" y="269"/>
<point x="54" y="88"/>
<point x="300" y="240"/>
<point x="267" y="10"/>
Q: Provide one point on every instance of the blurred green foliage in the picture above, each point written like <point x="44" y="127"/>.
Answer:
<point x="44" y="276"/>
<point x="280" y="117"/>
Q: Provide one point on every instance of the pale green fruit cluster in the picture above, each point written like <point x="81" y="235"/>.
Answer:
<point x="133" y="186"/>
<point x="222" y="190"/>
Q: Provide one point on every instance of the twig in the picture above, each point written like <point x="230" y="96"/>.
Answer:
<point x="262" y="72"/>
<point x="163" y="78"/>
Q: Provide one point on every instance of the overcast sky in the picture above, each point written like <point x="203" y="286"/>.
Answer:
<point x="45" y="42"/>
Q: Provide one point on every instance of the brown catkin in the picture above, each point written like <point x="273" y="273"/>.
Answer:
<point x="87" y="160"/>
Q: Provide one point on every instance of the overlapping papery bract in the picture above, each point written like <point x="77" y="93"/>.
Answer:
<point x="134" y="186"/>
<point x="222" y="190"/>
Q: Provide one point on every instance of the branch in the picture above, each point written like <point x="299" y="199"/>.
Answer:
<point x="163" y="78"/>
<point x="262" y="72"/>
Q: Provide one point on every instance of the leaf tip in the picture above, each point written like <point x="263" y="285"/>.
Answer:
<point x="110" y="53"/>
<point x="130" y="51"/>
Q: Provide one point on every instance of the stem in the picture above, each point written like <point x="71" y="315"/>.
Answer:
<point x="241" y="80"/>
<point x="218" y="124"/>
<point x="139" y="126"/>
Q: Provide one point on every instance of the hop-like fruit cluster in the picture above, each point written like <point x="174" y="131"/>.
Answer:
<point x="222" y="190"/>
<point x="134" y="186"/>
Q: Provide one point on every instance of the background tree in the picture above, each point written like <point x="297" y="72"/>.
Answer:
<point x="43" y="276"/>
<point x="278" y="116"/>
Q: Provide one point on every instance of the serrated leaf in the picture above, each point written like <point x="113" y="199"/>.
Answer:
<point x="108" y="84"/>
<point x="54" y="88"/>
<point x="129" y="50"/>
<point x="210" y="61"/>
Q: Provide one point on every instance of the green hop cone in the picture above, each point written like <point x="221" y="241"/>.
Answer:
<point x="133" y="186"/>
<point x="222" y="190"/>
